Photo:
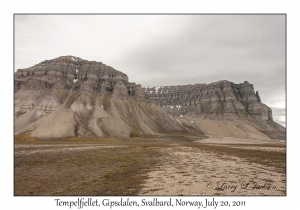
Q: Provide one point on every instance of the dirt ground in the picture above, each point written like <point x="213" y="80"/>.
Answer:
<point x="160" y="166"/>
<point x="188" y="171"/>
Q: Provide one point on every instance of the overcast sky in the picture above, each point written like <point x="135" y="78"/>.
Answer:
<point x="160" y="50"/>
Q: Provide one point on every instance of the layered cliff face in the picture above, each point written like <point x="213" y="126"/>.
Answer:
<point x="69" y="96"/>
<point x="221" y="100"/>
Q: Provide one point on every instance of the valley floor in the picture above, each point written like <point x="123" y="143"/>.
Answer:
<point x="169" y="165"/>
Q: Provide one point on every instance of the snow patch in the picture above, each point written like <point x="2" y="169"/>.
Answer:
<point x="75" y="80"/>
<point x="76" y="106"/>
<point x="88" y="106"/>
<point x="76" y="71"/>
<point x="181" y="115"/>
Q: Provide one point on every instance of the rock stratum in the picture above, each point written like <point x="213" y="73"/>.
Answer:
<point x="222" y="101"/>
<point x="69" y="96"/>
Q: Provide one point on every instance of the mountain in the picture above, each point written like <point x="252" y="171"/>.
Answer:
<point x="221" y="101"/>
<point x="69" y="96"/>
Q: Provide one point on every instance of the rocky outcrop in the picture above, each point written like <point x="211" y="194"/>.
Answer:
<point x="69" y="96"/>
<point x="221" y="100"/>
<point x="71" y="73"/>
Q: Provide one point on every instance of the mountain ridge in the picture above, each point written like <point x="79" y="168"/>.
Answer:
<point x="218" y="100"/>
<point x="69" y="96"/>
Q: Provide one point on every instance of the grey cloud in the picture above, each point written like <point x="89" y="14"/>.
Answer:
<point x="280" y="111"/>
<point x="156" y="50"/>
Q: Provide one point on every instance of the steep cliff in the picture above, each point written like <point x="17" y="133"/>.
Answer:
<point x="222" y="100"/>
<point x="69" y="96"/>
